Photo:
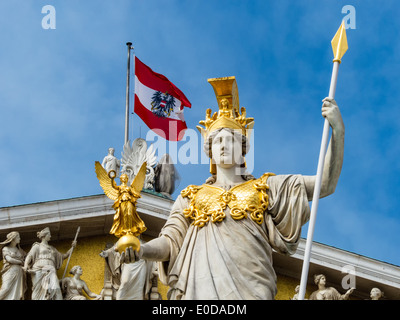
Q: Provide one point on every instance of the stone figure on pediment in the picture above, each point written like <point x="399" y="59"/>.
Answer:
<point x="296" y="295"/>
<point x="74" y="288"/>
<point x="13" y="275"/>
<point x="136" y="279"/>
<point x="130" y="280"/>
<point x="42" y="262"/>
<point x="111" y="162"/>
<point x="166" y="176"/>
<point x="327" y="293"/>
<point x="376" y="294"/>
<point x="133" y="156"/>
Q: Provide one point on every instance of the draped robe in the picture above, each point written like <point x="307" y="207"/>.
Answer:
<point x="13" y="276"/>
<point x="45" y="261"/>
<point x="232" y="259"/>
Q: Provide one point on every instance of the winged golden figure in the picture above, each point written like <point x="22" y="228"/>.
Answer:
<point x="127" y="224"/>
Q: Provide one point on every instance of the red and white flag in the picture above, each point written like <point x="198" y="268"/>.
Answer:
<point x="159" y="103"/>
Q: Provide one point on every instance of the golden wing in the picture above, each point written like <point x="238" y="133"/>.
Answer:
<point x="106" y="182"/>
<point x="138" y="182"/>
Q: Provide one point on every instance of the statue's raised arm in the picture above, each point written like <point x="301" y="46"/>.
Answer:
<point x="334" y="156"/>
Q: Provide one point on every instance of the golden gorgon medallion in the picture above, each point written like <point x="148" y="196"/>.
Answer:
<point x="208" y="202"/>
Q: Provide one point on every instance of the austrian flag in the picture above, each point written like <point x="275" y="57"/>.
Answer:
<point x="159" y="103"/>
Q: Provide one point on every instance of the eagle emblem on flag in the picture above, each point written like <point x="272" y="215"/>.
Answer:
<point x="162" y="104"/>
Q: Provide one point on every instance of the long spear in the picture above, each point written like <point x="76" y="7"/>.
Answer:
<point x="339" y="47"/>
<point x="70" y="254"/>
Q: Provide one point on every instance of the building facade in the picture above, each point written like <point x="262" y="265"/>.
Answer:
<point x="94" y="215"/>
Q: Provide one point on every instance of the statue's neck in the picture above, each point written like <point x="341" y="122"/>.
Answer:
<point x="228" y="176"/>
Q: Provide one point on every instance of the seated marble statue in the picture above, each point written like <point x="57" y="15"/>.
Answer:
<point x="74" y="288"/>
<point x="217" y="242"/>
<point x="296" y="295"/>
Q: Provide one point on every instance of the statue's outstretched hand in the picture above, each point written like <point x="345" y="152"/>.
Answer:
<point x="129" y="256"/>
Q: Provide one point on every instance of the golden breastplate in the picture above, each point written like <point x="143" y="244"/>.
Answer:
<point x="246" y="199"/>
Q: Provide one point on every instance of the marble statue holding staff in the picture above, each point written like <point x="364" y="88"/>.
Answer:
<point x="217" y="242"/>
<point x="42" y="262"/>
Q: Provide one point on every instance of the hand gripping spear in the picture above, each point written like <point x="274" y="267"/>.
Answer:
<point x="69" y="257"/>
<point x="339" y="47"/>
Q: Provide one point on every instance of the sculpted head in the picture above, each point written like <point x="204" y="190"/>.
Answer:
<point x="226" y="147"/>
<point x="124" y="178"/>
<point x="229" y="118"/>
<point x="76" y="270"/>
<point x="45" y="233"/>
<point x="319" y="279"/>
<point x="376" y="294"/>
<point x="12" y="236"/>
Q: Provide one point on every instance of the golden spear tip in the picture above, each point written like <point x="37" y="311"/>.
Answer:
<point x="339" y="43"/>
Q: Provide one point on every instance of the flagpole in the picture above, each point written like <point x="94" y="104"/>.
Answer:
<point x="339" y="46"/>
<point x="129" y="45"/>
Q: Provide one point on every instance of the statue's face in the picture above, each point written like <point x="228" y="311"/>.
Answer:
<point x="47" y="236"/>
<point x="123" y="178"/>
<point x="224" y="103"/>
<point x="14" y="236"/>
<point x="375" y="293"/>
<point x="227" y="149"/>
<point x="79" y="270"/>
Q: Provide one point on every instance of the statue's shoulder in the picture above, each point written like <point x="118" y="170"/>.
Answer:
<point x="35" y="244"/>
<point x="34" y="248"/>
<point x="5" y="250"/>
<point x="264" y="178"/>
<point x="191" y="190"/>
<point x="66" y="282"/>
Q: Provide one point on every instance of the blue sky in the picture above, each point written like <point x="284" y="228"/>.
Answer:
<point x="62" y="96"/>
